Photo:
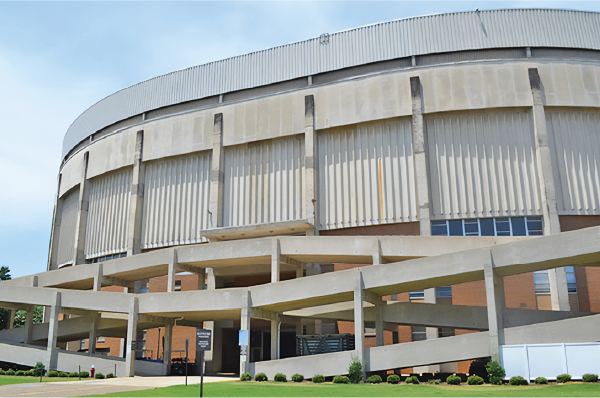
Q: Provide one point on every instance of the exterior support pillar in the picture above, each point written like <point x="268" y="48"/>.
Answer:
<point x="217" y="174"/>
<point x="202" y="279"/>
<point x="82" y="214"/>
<point x="93" y="335"/>
<point x="51" y="353"/>
<point x="56" y="220"/>
<point x="557" y="277"/>
<point x="167" y="348"/>
<point x="275" y="260"/>
<point x="172" y="273"/>
<point x="136" y="201"/>
<point x="359" y="318"/>
<point x="245" y="325"/>
<point x="275" y="339"/>
<point x="300" y="272"/>
<point x="98" y="278"/>
<point x="311" y="162"/>
<point x="131" y="338"/>
<point x="379" y="326"/>
<point x="494" y="291"/>
<point x="420" y="157"/>
<point x="28" y="325"/>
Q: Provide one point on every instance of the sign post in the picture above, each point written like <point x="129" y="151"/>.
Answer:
<point x="203" y="339"/>
<point x="187" y="344"/>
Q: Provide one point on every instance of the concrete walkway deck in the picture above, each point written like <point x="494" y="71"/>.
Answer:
<point x="95" y="387"/>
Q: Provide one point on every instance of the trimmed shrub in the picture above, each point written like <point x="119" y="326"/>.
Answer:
<point x="99" y="376"/>
<point x="541" y="380"/>
<point x="341" y="380"/>
<point x="355" y="371"/>
<point x="518" y="381"/>
<point x="110" y="376"/>
<point x="474" y="380"/>
<point x="393" y="379"/>
<point x="564" y="378"/>
<point x="297" y="378"/>
<point x="496" y="373"/>
<point x="63" y="374"/>
<point x="29" y="373"/>
<point x="53" y="373"/>
<point x="245" y="377"/>
<point x="261" y="377"/>
<point x="20" y="373"/>
<point x="318" y="379"/>
<point x="412" y="380"/>
<point x="434" y="381"/>
<point x="73" y="374"/>
<point x="453" y="380"/>
<point x="10" y="372"/>
<point x="2" y="372"/>
<point x="39" y="369"/>
<point x="590" y="378"/>
<point x="280" y="377"/>
<point x="84" y="374"/>
<point x="374" y="379"/>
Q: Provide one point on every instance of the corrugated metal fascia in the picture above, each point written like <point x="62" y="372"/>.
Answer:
<point x="372" y="43"/>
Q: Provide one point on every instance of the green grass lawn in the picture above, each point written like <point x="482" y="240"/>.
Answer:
<point x="272" y="389"/>
<point x="4" y="380"/>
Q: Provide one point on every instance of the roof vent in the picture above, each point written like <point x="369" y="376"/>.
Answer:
<point x="324" y="38"/>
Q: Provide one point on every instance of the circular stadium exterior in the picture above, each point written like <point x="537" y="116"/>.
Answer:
<point x="410" y="150"/>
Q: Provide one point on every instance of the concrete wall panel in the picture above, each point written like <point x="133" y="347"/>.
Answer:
<point x="366" y="175"/>
<point x="483" y="164"/>
<point x="71" y="173"/>
<point x="66" y="237"/>
<point x="108" y="215"/>
<point x="111" y="153"/>
<point x="176" y="199"/>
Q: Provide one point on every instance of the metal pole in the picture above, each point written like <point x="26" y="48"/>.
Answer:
<point x="115" y="370"/>
<point x="187" y="342"/>
<point x="79" y="373"/>
<point x="201" y="373"/>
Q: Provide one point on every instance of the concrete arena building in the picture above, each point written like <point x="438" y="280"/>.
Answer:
<point x="306" y="189"/>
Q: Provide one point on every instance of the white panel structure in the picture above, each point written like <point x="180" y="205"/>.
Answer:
<point x="574" y="135"/>
<point x="550" y="360"/>
<point x="483" y="164"/>
<point x="264" y="182"/>
<point x="108" y="214"/>
<point x="176" y="198"/>
<point x="68" y="220"/>
<point x="366" y="175"/>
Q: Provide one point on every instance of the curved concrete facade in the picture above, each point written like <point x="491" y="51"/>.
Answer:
<point x="481" y="127"/>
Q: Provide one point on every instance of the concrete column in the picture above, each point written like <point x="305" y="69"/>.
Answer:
<point x="494" y="291"/>
<point x="172" y="273"/>
<point x="217" y="175"/>
<point x="131" y="338"/>
<point x="56" y="220"/>
<point x="98" y="278"/>
<point x="28" y="325"/>
<point x="275" y="260"/>
<point x="51" y="353"/>
<point x="379" y="326"/>
<point x="82" y="214"/>
<point x="275" y="339"/>
<point x="359" y="318"/>
<point x="311" y="163"/>
<point x="167" y="348"/>
<point x="136" y="201"/>
<point x="93" y="335"/>
<point x="213" y="357"/>
<point x="245" y="325"/>
<point x="558" y="279"/>
<point x="300" y="272"/>
<point x="420" y="156"/>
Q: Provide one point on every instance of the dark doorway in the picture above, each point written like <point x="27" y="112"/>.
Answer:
<point x="231" y="351"/>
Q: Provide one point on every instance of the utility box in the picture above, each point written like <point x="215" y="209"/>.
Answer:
<point x="324" y="343"/>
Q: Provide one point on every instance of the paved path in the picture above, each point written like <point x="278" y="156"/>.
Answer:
<point x="94" y="387"/>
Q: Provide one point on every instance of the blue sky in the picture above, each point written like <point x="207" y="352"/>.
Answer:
<point x="58" y="58"/>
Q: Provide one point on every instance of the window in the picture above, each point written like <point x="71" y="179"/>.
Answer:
<point x="417" y="295"/>
<point x="106" y="258"/>
<point x="418" y="333"/>
<point x="178" y="285"/>
<point x="541" y="281"/>
<point x="499" y="226"/>
<point x="443" y="292"/>
<point x="445" y="332"/>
